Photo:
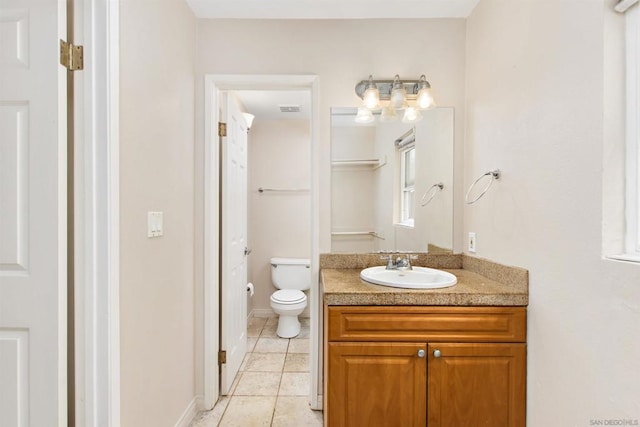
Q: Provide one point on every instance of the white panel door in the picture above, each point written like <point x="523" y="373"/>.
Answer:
<point x="234" y="241"/>
<point x="32" y="214"/>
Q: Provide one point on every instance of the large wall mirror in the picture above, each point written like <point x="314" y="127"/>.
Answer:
<point x="392" y="183"/>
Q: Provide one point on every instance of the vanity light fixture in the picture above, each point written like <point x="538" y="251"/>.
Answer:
<point x="411" y="115"/>
<point x="393" y="95"/>
<point x="364" y="115"/>
<point x="371" y="96"/>
<point x="388" y="114"/>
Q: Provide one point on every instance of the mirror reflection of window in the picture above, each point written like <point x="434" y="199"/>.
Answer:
<point x="407" y="185"/>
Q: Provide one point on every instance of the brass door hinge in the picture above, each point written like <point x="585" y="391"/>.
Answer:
<point x="222" y="129"/>
<point x="71" y="57"/>
<point x="222" y="357"/>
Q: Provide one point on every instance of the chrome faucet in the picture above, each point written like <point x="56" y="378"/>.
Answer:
<point x="390" y="263"/>
<point x="400" y="263"/>
<point x="405" y="263"/>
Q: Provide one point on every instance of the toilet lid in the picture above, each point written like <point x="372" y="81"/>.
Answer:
<point x="289" y="296"/>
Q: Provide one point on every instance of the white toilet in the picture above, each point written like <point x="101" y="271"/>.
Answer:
<point x="291" y="276"/>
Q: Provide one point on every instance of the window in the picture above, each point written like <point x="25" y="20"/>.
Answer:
<point x="632" y="148"/>
<point x="407" y="185"/>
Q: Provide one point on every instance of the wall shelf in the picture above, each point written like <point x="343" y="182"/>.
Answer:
<point x="365" y="163"/>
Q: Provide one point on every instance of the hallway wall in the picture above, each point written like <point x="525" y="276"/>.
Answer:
<point x="157" y="39"/>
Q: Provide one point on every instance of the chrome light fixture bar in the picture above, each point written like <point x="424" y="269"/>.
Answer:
<point x="385" y="87"/>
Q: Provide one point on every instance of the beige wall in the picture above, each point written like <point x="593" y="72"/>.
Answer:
<point x="341" y="53"/>
<point x="156" y="174"/>
<point x="535" y="73"/>
<point x="279" y="224"/>
<point x="352" y="188"/>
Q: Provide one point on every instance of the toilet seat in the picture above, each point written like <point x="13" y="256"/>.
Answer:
<point x="288" y="296"/>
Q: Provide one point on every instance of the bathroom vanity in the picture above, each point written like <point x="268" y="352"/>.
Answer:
<point x="443" y="357"/>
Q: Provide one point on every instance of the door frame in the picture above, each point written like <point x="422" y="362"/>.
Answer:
<point x="213" y="84"/>
<point x="96" y="214"/>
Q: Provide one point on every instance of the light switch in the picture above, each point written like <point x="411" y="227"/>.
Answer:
<point x="154" y="224"/>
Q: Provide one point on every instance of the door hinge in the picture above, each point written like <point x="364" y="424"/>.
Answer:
<point x="71" y="56"/>
<point x="222" y="357"/>
<point x="222" y="129"/>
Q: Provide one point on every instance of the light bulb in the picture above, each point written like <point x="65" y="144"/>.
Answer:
<point x="424" y="99"/>
<point x="411" y="115"/>
<point x="388" y="115"/>
<point x="371" y="96"/>
<point x="364" y="115"/>
<point x="398" y="97"/>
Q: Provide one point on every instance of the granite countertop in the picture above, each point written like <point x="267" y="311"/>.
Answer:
<point x="343" y="286"/>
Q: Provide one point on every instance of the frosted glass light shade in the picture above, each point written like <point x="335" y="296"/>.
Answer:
<point x="425" y="99"/>
<point x="398" y="98"/>
<point x="388" y="115"/>
<point x="411" y="115"/>
<point x="364" y="115"/>
<point x="248" y="117"/>
<point x="371" y="98"/>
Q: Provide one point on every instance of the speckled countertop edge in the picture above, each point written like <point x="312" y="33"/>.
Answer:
<point x="480" y="282"/>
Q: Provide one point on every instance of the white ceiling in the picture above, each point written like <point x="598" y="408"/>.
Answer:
<point x="265" y="104"/>
<point x="331" y="9"/>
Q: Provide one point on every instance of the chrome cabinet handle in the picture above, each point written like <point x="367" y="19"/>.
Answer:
<point x="421" y="353"/>
<point x="436" y="353"/>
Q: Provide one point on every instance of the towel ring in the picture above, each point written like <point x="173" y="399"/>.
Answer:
<point x="435" y="187"/>
<point x="494" y="174"/>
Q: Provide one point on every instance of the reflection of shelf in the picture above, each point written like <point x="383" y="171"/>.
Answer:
<point x="357" y="233"/>
<point x="365" y="163"/>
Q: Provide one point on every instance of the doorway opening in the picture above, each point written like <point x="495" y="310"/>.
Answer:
<point x="262" y="206"/>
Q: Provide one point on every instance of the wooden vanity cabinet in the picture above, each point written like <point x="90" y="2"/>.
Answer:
<point x="425" y="366"/>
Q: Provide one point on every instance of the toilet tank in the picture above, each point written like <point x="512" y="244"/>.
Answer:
<point x="291" y="273"/>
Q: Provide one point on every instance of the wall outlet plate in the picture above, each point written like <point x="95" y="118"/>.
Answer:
<point x="472" y="241"/>
<point x="154" y="224"/>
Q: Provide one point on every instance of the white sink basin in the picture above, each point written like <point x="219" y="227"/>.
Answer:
<point x="418" y="278"/>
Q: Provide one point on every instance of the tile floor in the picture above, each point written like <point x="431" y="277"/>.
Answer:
<point x="272" y="387"/>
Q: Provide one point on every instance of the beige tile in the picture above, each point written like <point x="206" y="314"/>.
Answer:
<point x="244" y="361"/>
<point x="245" y="411"/>
<point x="211" y="418"/>
<point x="254" y="331"/>
<point x="296" y="362"/>
<point x="265" y="362"/>
<point x="271" y="345"/>
<point x="269" y="331"/>
<point x="251" y="343"/>
<point x="257" y="321"/>
<point x="299" y="345"/>
<point x="234" y="384"/>
<point x="294" y="384"/>
<point x="258" y="384"/>
<point x="304" y="332"/>
<point x="272" y="320"/>
<point x="295" y="412"/>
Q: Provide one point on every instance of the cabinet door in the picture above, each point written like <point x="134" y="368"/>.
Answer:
<point x="377" y="384"/>
<point x="476" y="385"/>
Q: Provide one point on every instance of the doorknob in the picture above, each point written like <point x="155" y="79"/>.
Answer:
<point x="436" y="353"/>
<point x="421" y="353"/>
<point x="247" y="251"/>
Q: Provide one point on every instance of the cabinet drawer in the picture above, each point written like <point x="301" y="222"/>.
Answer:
<point x="442" y="324"/>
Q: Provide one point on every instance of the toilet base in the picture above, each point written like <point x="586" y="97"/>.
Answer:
<point x="288" y="326"/>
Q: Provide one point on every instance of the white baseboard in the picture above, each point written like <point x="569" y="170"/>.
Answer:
<point x="190" y="413"/>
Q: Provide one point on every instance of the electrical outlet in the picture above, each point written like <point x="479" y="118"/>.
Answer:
<point x="472" y="241"/>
